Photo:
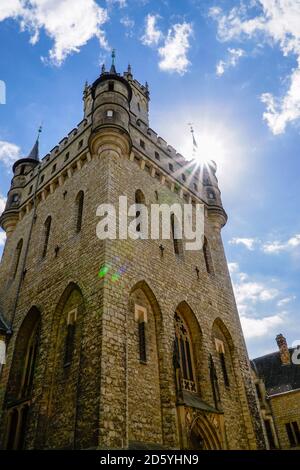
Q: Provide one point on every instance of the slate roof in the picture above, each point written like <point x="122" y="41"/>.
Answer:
<point x="278" y="378"/>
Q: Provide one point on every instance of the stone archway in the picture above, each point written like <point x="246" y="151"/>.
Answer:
<point x="204" y="434"/>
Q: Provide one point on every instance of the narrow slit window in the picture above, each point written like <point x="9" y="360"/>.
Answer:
<point x="70" y="337"/>
<point x="47" y="228"/>
<point x="79" y="209"/>
<point x="17" y="257"/>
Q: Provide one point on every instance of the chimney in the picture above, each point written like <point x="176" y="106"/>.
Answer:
<point x="283" y="349"/>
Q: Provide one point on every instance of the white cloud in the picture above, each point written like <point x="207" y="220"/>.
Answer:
<point x="249" y="243"/>
<point x="69" y="24"/>
<point x="9" y="153"/>
<point x="234" y="56"/>
<point x="233" y="267"/>
<point x="128" y="24"/>
<point x="252" y="297"/>
<point x="152" y="34"/>
<point x="277" y="23"/>
<point x="276" y="246"/>
<point x="286" y="301"/>
<point x="257" y="327"/>
<point x="174" y="52"/>
<point x="121" y="3"/>
<point x="2" y="203"/>
<point x="2" y="238"/>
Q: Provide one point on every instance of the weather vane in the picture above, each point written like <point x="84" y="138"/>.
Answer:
<point x="195" y="145"/>
<point x="113" y="56"/>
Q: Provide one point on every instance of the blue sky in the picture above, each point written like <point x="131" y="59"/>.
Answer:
<point x="230" y="68"/>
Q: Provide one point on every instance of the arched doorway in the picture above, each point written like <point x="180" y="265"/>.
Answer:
<point x="203" y="435"/>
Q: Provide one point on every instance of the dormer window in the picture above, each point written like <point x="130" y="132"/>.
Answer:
<point x="109" y="113"/>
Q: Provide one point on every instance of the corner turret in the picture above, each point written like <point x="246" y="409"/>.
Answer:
<point x="21" y="168"/>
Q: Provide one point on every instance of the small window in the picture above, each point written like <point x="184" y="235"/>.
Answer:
<point x="183" y="177"/>
<point x="17" y="257"/>
<point x="211" y="195"/>
<point x="257" y="387"/>
<point x="139" y="199"/>
<point x="171" y="168"/>
<point x="42" y="179"/>
<point x="157" y="156"/>
<point x="296" y="431"/>
<point x="224" y="368"/>
<point x="111" y="86"/>
<point x="139" y="107"/>
<point x="79" y="204"/>
<point x="269" y="434"/>
<point x="195" y="187"/>
<point x="15" y="198"/>
<point x="67" y="156"/>
<point x="176" y="232"/>
<point x="290" y="434"/>
<point x="80" y="144"/>
<point x="141" y="318"/>
<point x="30" y="189"/>
<point x="47" y="227"/>
<point x="109" y="113"/>
<point x="142" y="144"/>
<point x="207" y="257"/>
<point x="22" y="170"/>
<point x="53" y="168"/>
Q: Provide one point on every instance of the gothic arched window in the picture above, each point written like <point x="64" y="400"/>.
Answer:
<point x="21" y="379"/>
<point x="207" y="257"/>
<point x="79" y="207"/>
<point x="69" y="346"/>
<point x="17" y="257"/>
<point x="47" y="228"/>
<point x="184" y="351"/>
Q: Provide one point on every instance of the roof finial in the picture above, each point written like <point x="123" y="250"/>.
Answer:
<point x="129" y="71"/>
<point x="103" y="69"/>
<point x="113" y="56"/>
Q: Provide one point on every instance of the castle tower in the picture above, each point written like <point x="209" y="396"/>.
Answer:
<point x="118" y="342"/>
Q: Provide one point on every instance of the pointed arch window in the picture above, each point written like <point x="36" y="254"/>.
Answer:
<point x="17" y="257"/>
<point x="70" y="337"/>
<point x="21" y="381"/>
<point x="79" y="210"/>
<point x="184" y="351"/>
<point x="207" y="257"/>
<point x="47" y="228"/>
<point x="221" y="351"/>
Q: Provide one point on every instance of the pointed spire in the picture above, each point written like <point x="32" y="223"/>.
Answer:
<point x="34" y="154"/>
<point x="129" y="70"/>
<point x="113" y="68"/>
<point x="103" y="69"/>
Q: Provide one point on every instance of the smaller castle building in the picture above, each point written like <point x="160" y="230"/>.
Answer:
<point x="277" y="382"/>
